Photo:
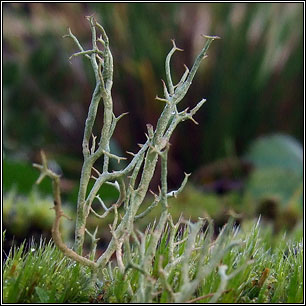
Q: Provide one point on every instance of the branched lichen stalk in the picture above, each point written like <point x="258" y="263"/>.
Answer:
<point x="142" y="165"/>
<point x="89" y="159"/>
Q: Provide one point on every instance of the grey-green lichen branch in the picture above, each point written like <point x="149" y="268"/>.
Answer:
<point x="132" y="191"/>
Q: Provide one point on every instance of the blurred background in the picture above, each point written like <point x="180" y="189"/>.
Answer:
<point x="246" y="155"/>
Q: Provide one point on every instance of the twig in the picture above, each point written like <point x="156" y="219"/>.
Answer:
<point x="56" y="235"/>
<point x="205" y="297"/>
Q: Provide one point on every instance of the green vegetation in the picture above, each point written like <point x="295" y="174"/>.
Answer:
<point x="30" y="216"/>
<point x="262" y="268"/>
<point x="41" y="274"/>
<point x="256" y="272"/>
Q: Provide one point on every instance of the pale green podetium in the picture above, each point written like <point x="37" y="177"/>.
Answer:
<point x="142" y="163"/>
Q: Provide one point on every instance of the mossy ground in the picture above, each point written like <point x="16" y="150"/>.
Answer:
<point x="272" y="272"/>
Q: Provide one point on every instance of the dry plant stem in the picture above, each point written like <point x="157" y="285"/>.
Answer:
<point x="56" y="235"/>
<point x="205" y="297"/>
<point x="156" y="146"/>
